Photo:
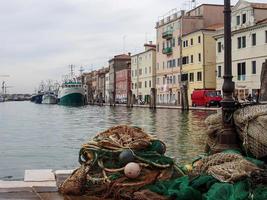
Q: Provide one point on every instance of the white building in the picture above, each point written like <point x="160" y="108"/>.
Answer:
<point x="143" y="72"/>
<point x="249" y="47"/>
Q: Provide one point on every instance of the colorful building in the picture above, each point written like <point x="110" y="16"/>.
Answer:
<point x="249" y="48"/>
<point x="123" y="84"/>
<point x="169" y="57"/>
<point x="117" y="63"/>
<point x="143" y="75"/>
<point x="199" y="59"/>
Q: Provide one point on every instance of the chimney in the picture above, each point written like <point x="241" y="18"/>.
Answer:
<point x="129" y="53"/>
<point x="150" y="42"/>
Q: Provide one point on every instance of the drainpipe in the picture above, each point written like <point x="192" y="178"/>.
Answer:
<point x="204" y="62"/>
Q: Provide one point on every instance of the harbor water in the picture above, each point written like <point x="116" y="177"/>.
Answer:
<point x="34" y="136"/>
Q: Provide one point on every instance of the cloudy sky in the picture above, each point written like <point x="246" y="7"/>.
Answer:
<point x="40" y="38"/>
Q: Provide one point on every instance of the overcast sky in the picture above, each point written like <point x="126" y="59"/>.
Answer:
<point x="40" y="38"/>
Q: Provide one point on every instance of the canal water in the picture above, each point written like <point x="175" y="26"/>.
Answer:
<point x="34" y="136"/>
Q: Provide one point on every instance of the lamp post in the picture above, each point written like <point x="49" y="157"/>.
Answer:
<point x="227" y="138"/>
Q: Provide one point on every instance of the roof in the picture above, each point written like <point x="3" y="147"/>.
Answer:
<point x="259" y="5"/>
<point x="120" y="57"/>
<point x="263" y="21"/>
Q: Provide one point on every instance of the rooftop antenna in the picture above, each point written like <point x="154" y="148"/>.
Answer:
<point x="72" y="70"/>
<point x="123" y="42"/>
<point x="81" y="70"/>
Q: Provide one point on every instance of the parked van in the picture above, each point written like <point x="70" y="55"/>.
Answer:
<point x="204" y="97"/>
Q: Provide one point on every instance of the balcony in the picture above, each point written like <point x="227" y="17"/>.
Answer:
<point x="167" y="51"/>
<point x="167" y="34"/>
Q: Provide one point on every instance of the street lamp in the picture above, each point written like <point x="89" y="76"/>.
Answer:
<point x="227" y="138"/>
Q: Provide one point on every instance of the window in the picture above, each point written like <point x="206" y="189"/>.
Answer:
<point x="253" y="66"/>
<point x="191" y="77"/>
<point x="241" y="42"/>
<point x="150" y="70"/>
<point x="179" y="41"/>
<point x="163" y="65"/>
<point x="219" y="72"/>
<point x="173" y="42"/>
<point x="135" y="72"/>
<point x="185" y="43"/>
<point x="132" y="73"/>
<point x="253" y="42"/>
<point x="163" y="80"/>
<point x="149" y="83"/>
<point x="265" y="36"/>
<point x="132" y="85"/>
<point x="178" y="62"/>
<point x="192" y="58"/>
<point x="173" y="63"/>
<point x="135" y="85"/>
<point x="238" y="20"/>
<point x="199" y="57"/>
<point x="145" y="84"/>
<point x="174" y="79"/>
<point x="140" y="72"/>
<point x="244" y="18"/>
<point x="185" y="60"/>
<point x="192" y="41"/>
<point x="140" y="85"/>
<point x="241" y="71"/>
<point x="158" y="48"/>
<point x="199" y="39"/>
<point x="145" y="70"/>
<point x="219" y="44"/>
<point x="163" y="45"/>
<point x="199" y="76"/>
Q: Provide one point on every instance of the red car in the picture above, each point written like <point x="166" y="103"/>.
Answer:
<point x="204" y="97"/>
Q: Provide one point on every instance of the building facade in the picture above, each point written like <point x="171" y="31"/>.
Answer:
<point x="169" y="58"/>
<point x="107" y="87"/>
<point x="117" y="63"/>
<point x="143" y="73"/>
<point x="123" y="84"/>
<point x="199" y="60"/>
<point x="249" y="48"/>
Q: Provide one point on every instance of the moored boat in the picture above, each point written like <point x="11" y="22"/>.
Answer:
<point x="49" y="98"/>
<point x="71" y="94"/>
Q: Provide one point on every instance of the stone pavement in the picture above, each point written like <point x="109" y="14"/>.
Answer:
<point x="38" y="185"/>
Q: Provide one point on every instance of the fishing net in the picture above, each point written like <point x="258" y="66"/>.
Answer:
<point x="224" y="176"/>
<point x="102" y="169"/>
<point x="251" y="124"/>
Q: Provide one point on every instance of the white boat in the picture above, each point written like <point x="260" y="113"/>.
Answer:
<point x="49" y="98"/>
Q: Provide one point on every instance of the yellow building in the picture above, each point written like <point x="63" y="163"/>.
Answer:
<point x="199" y="59"/>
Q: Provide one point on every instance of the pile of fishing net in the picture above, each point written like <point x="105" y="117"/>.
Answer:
<point x="118" y="163"/>
<point x="251" y="126"/>
<point x="221" y="176"/>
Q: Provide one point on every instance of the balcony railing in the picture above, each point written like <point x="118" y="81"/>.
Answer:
<point x="167" y="34"/>
<point x="241" y="77"/>
<point x="167" y="50"/>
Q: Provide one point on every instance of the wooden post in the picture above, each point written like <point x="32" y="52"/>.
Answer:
<point x="263" y="89"/>
<point x="129" y="98"/>
<point x="153" y="99"/>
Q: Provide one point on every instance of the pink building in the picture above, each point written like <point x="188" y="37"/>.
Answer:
<point x="123" y="84"/>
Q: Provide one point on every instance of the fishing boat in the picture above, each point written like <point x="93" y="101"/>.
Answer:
<point x="2" y="99"/>
<point x="49" y="98"/>
<point x="71" y="92"/>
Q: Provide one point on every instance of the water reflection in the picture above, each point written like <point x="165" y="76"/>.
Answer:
<point x="45" y="136"/>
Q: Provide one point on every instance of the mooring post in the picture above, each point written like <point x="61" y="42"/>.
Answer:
<point x="227" y="138"/>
